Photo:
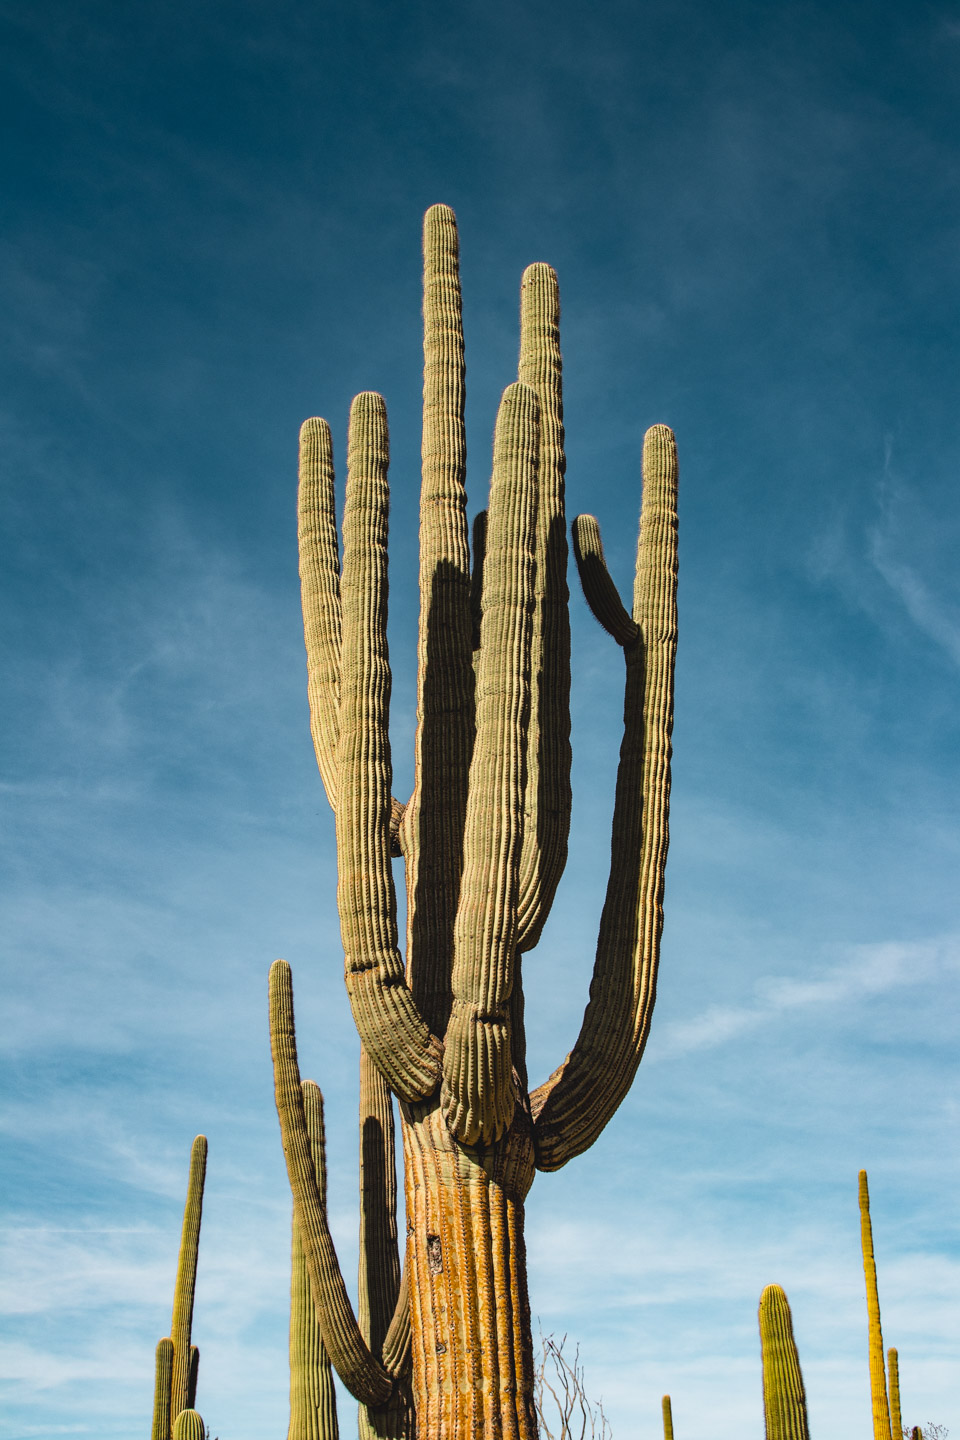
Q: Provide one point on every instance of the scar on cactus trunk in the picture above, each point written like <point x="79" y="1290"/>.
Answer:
<point x="484" y="841"/>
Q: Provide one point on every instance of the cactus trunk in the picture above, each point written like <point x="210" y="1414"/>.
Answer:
<point x="667" y="1418"/>
<point x="893" y="1369"/>
<point x="472" y="1344"/>
<point x="878" y="1378"/>
<point x="784" y="1398"/>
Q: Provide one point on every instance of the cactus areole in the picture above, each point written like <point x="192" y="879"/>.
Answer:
<point x="484" y="841"/>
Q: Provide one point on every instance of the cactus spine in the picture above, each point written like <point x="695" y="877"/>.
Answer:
<point x="784" y="1398"/>
<point x="483" y="838"/>
<point x="893" y="1371"/>
<point x="878" y="1379"/>
<point x="667" y="1418"/>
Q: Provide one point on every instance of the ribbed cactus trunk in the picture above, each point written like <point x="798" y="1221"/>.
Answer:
<point x="878" y="1378"/>
<point x="893" y="1370"/>
<point x="484" y="842"/>
<point x="784" y="1397"/>
<point x="667" y="1409"/>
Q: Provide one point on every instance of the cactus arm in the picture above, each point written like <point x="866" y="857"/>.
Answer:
<point x="431" y="836"/>
<point x="878" y="1379"/>
<point x="399" y="1338"/>
<point x="320" y="594"/>
<point x="547" y="797"/>
<point x="189" y="1426"/>
<point x="379" y="1279"/>
<point x="667" y="1409"/>
<point x="163" y="1376"/>
<point x="893" y="1370"/>
<point x="599" y="590"/>
<point x="478" y="1093"/>
<point x="571" y="1108"/>
<point x="363" y="1375"/>
<point x="784" y="1397"/>
<point x="313" y="1401"/>
<point x="187" y="1279"/>
<point x="384" y="1010"/>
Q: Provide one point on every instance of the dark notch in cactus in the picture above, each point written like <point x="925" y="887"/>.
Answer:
<point x="878" y="1379"/>
<point x="784" y="1398"/>
<point x="667" y="1409"/>
<point x="375" y="1378"/>
<point x="893" y="1372"/>
<point x="313" y="1401"/>
<point x="483" y="838"/>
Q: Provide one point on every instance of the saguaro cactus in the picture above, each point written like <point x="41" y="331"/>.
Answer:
<point x="784" y="1398"/>
<point x="177" y="1364"/>
<point x="667" y="1409"/>
<point x="313" y="1401"/>
<point x="483" y="838"/>
<point x="893" y="1371"/>
<point x="878" y="1378"/>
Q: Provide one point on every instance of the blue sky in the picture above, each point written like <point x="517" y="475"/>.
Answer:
<point x="212" y="231"/>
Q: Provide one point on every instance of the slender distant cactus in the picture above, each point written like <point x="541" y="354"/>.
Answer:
<point x="893" y="1372"/>
<point x="177" y="1364"/>
<point x="189" y="1426"/>
<point x="878" y="1378"/>
<point x="313" y="1401"/>
<point x="784" y="1398"/>
<point x="667" y="1418"/>
<point x="161" y="1394"/>
<point x="484" y="841"/>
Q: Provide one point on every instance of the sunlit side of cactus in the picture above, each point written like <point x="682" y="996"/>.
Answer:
<point x="784" y="1397"/>
<point x="177" y="1362"/>
<point x="484" y="841"/>
<point x="878" y="1379"/>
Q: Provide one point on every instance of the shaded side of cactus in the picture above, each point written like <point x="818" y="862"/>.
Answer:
<point x="893" y="1372"/>
<point x="189" y="1426"/>
<point x="161" y="1390"/>
<point x="483" y="839"/>
<point x="878" y="1379"/>
<point x="186" y="1282"/>
<point x="784" y="1397"/>
<point x="667" y="1409"/>
<point x="313" y="1401"/>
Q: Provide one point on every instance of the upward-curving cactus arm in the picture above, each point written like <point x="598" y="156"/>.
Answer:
<point x="384" y="1010"/>
<point x="478" y="1092"/>
<point x="572" y="1107"/>
<point x="320" y="594"/>
<point x="547" y="797"/>
<point x="186" y="1282"/>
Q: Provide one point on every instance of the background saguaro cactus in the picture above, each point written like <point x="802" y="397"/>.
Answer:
<point x="878" y="1378"/>
<point x="483" y="838"/>
<point x="177" y="1362"/>
<point x="784" y="1397"/>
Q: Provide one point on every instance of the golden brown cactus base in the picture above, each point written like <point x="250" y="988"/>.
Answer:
<point x="472" y="1349"/>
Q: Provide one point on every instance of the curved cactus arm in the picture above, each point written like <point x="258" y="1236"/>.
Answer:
<point x="547" y="798"/>
<point x="397" y="1344"/>
<point x="363" y="1375"/>
<point x="189" y="1426"/>
<point x="784" y="1397"/>
<point x="667" y="1409"/>
<point x="573" y="1106"/>
<point x="187" y="1279"/>
<point x="163" y="1376"/>
<point x="313" y="1401"/>
<point x="320" y="594"/>
<point x="379" y="1278"/>
<point x="478" y="1092"/>
<point x="384" y="1010"/>
<point x="893" y="1371"/>
<point x="878" y="1378"/>
<point x="599" y="591"/>
<point x="431" y="835"/>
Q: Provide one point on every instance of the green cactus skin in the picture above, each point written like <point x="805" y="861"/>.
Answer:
<point x="186" y="1282"/>
<point x="893" y="1371"/>
<point x="878" y="1378"/>
<point x="784" y="1397"/>
<point x="189" y="1426"/>
<point x="667" y="1418"/>
<point x="313" y="1401"/>
<point x="161" y="1390"/>
<point x="484" y="841"/>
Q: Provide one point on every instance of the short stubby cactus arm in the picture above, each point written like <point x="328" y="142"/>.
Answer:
<point x="599" y="590"/>
<point x="572" y="1107"/>
<point x="187" y="1279"/>
<point x="431" y="835"/>
<point x="362" y="1374"/>
<point x="893" y="1371"/>
<point x="667" y="1410"/>
<point x="478" y="1091"/>
<point x="878" y="1379"/>
<point x="784" y="1397"/>
<point x="547" y="797"/>
<point x="390" y="1026"/>
<point x="320" y="594"/>
<point x="163" y="1377"/>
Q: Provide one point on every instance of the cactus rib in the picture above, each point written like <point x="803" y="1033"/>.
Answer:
<point x="572" y="1107"/>
<point x="784" y="1397"/>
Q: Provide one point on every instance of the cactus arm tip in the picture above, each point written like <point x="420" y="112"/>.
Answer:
<point x="599" y="590"/>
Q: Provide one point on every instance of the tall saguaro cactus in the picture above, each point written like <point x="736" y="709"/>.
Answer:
<point x="483" y="839"/>
<point x="178" y="1360"/>
<point x="878" y="1378"/>
<point x="784" y="1397"/>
